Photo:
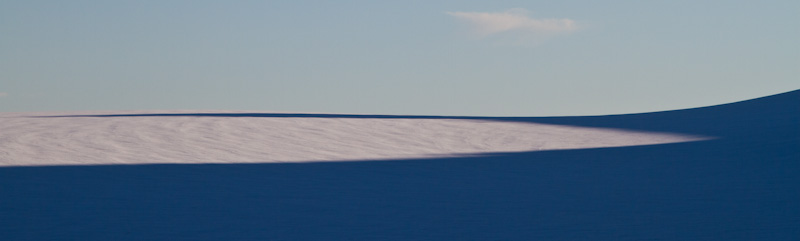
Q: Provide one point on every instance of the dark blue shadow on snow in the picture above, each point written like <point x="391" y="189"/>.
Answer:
<point x="741" y="119"/>
<point x="742" y="186"/>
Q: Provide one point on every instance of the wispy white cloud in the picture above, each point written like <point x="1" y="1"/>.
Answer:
<point x="513" y="20"/>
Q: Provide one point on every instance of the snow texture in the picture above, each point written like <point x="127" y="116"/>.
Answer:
<point x="218" y="137"/>
<point x="727" y="172"/>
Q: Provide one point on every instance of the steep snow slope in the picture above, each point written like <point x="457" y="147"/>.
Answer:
<point x="740" y="185"/>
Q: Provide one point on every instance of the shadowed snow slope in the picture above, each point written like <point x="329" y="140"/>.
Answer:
<point x="741" y="184"/>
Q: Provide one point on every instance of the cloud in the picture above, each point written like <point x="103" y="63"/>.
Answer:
<point x="513" y="20"/>
<point x="3" y="94"/>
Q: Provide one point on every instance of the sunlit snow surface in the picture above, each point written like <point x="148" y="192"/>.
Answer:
<point x="247" y="137"/>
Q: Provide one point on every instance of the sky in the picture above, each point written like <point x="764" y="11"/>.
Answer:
<point x="478" y="58"/>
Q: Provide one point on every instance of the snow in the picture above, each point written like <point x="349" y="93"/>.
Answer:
<point x="247" y="137"/>
<point x="726" y="172"/>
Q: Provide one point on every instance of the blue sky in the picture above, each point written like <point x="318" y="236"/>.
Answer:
<point x="517" y="58"/>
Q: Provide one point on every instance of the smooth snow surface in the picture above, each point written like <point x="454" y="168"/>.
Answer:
<point x="416" y="178"/>
<point x="231" y="137"/>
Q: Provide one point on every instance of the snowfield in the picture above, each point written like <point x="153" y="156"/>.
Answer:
<point x="239" y="137"/>
<point x="726" y="172"/>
